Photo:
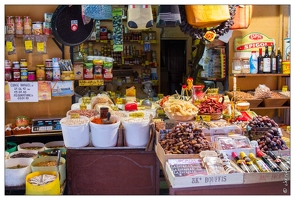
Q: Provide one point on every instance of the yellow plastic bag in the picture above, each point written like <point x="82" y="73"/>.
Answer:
<point x="206" y="15"/>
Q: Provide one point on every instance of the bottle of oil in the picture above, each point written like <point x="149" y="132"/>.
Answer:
<point x="252" y="167"/>
<point x="259" y="163"/>
<point x="241" y="163"/>
<point x="278" y="161"/>
<point x="270" y="163"/>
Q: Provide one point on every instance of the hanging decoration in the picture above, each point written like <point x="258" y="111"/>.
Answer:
<point x="168" y="16"/>
<point x="208" y="33"/>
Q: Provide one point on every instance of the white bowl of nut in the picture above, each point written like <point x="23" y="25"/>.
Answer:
<point x="16" y="171"/>
<point x="24" y="154"/>
<point x="39" y="146"/>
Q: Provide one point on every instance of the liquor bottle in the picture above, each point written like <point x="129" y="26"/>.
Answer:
<point x="273" y="62"/>
<point x="252" y="167"/>
<point x="241" y="163"/>
<point x="270" y="163"/>
<point x="226" y="163"/>
<point x="279" y="61"/>
<point x="279" y="162"/>
<point x="253" y="63"/>
<point x="266" y="61"/>
<point x="259" y="163"/>
<point x="260" y="62"/>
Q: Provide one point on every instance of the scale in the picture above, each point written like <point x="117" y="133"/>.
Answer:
<point x="46" y="124"/>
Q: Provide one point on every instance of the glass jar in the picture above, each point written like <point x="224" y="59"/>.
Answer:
<point x="245" y="66"/>
<point x="19" y="25"/>
<point x="27" y="25"/>
<point x="236" y="66"/>
<point x="31" y="75"/>
<point x="40" y="72"/>
<point x="10" y="25"/>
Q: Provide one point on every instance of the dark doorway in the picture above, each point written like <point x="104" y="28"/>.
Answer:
<point x="173" y="65"/>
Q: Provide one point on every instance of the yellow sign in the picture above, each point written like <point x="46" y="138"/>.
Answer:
<point x="136" y="115"/>
<point x="206" y="118"/>
<point x="285" y="88"/>
<point x="86" y="100"/>
<point x="75" y="115"/>
<point x="252" y="42"/>
<point x="119" y="101"/>
<point x="97" y="82"/>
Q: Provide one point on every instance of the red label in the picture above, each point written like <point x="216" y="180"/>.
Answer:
<point x="254" y="45"/>
<point x="255" y="37"/>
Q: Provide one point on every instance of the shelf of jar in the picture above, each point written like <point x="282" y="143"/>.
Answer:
<point x="244" y="75"/>
<point x="22" y="35"/>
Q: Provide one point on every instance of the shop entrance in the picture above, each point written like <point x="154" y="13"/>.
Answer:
<point x="173" y="65"/>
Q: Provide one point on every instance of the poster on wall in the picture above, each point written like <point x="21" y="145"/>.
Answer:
<point x="251" y="42"/>
<point x="62" y="88"/>
<point x="44" y="90"/>
<point x="23" y="91"/>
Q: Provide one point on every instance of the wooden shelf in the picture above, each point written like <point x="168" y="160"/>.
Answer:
<point x="21" y="35"/>
<point x="264" y="108"/>
<point x="37" y="134"/>
<point x="259" y="75"/>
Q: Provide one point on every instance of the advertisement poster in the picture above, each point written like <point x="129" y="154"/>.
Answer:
<point x="62" y="88"/>
<point x="44" y="90"/>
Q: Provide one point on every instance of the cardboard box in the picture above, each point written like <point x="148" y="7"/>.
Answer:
<point x="201" y="180"/>
<point x="266" y="177"/>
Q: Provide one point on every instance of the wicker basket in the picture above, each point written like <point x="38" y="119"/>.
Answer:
<point x="213" y="116"/>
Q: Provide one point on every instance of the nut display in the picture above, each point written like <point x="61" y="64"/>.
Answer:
<point x="210" y="106"/>
<point x="184" y="138"/>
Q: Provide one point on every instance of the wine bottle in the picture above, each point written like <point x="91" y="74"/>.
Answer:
<point x="260" y="62"/>
<point x="259" y="163"/>
<point x="279" y="61"/>
<point x="266" y="61"/>
<point x="270" y="163"/>
<point x="273" y="62"/>
<point x="281" y="164"/>
<point x="252" y="167"/>
<point x="241" y="163"/>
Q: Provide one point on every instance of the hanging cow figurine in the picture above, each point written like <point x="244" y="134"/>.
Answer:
<point x="139" y="17"/>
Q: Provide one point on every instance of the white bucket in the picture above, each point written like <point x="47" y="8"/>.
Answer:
<point x="104" y="135"/>
<point x="137" y="132"/>
<point x="75" y="132"/>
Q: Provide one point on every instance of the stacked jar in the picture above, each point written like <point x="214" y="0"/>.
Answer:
<point x="40" y="73"/>
<point x="55" y="69"/>
<point x="8" y="72"/>
<point x="15" y="71"/>
<point x="48" y="70"/>
<point x="23" y="69"/>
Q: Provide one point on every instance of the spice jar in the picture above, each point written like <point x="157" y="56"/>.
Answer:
<point x="16" y="71"/>
<point x="27" y="25"/>
<point x="10" y="26"/>
<point x="31" y="75"/>
<point x="23" y="73"/>
<point x="19" y="25"/>
<point x="245" y="66"/>
<point x="8" y="74"/>
<point x="40" y="72"/>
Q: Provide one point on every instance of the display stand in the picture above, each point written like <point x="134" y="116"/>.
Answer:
<point x="113" y="171"/>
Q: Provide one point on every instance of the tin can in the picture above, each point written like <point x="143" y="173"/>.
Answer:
<point x="48" y="17"/>
<point x="47" y="28"/>
<point x="56" y="74"/>
<point x="37" y="28"/>
<point x="31" y="75"/>
<point x="16" y="74"/>
<point x="88" y="71"/>
<point x="7" y="63"/>
<point x="23" y="73"/>
<point x="286" y="67"/>
<point x="48" y="73"/>
<point x="48" y="63"/>
<point x="23" y="63"/>
<point x="40" y="72"/>
<point x="15" y="64"/>
<point x="27" y="25"/>
<point x="19" y="25"/>
<point x="10" y="25"/>
<point x="8" y="74"/>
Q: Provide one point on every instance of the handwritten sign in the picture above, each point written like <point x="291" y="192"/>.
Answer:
<point x="23" y="91"/>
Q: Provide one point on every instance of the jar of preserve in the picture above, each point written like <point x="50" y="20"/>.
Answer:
<point x="31" y="75"/>
<point x="19" y="25"/>
<point x="16" y="74"/>
<point x="23" y="73"/>
<point x="23" y="63"/>
<point x="10" y="25"/>
<point x="40" y="72"/>
<point x="37" y="28"/>
<point x="48" y="73"/>
<point x="8" y="74"/>
<point x="27" y="25"/>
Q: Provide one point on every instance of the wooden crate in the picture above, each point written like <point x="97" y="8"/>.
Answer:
<point x="253" y="102"/>
<point x="274" y="102"/>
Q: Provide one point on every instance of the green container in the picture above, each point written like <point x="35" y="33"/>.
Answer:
<point x="11" y="147"/>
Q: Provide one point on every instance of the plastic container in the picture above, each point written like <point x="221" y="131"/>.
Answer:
<point x="286" y="67"/>
<point x="104" y="135"/>
<point x="61" y="167"/>
<point x="51" y="188"/>
<point x="137" y="131"/>
<point x="17" y="177"/>
<point x="75" y="132"/>
<point x="12" y="147"/>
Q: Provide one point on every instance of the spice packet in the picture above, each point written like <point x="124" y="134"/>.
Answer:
<point x="41" y="41"/>
<point x="29" y="43"/>
<point x="10" y="44"/>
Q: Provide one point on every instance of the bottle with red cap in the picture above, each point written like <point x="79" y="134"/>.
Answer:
<point x="241" y="163"/>
<point x="270" y="163"/>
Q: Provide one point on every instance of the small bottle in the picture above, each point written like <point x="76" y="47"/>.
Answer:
<point x="279" y="61"/>
<point x="273" y="62"/>
<point x="281" y="164"/>
<point x="241" y="163"/>
<point x="259" y="163"/>
<point x="226" y="164"/>
<point x="253" y="63"/>
<point x="252" y="167"/>
<point x="270" y="163"/>
<point x="260" y="62"/>
<point x="266" y="61"/>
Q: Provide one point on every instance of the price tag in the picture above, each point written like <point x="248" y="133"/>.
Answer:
<point x="136" y="115"/>
<point x="40" y="46"/>
<point x="96" y="82"/>
<point x="86" y="100"/>
<point x="206" y="118"/>
<point x="74" y="115"/>
<point x="285" y="88"/>
<point x="161" y="111"/>
<point x="28" y="45"/>
<point x="119" y="101"/>
<point x="9" y="46"/>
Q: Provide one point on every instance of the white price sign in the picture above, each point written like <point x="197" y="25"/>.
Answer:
<point x="23" y="91"/>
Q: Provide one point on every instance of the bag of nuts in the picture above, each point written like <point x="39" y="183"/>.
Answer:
<point x="262" y="92"/>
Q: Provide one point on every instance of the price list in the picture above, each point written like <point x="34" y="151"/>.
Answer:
<point x="23" y="92"/>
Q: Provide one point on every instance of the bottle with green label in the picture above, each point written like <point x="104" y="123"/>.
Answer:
<point x="259" y="163"/>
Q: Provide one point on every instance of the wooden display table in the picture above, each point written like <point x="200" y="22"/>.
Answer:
<point x="114" y="171"/>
